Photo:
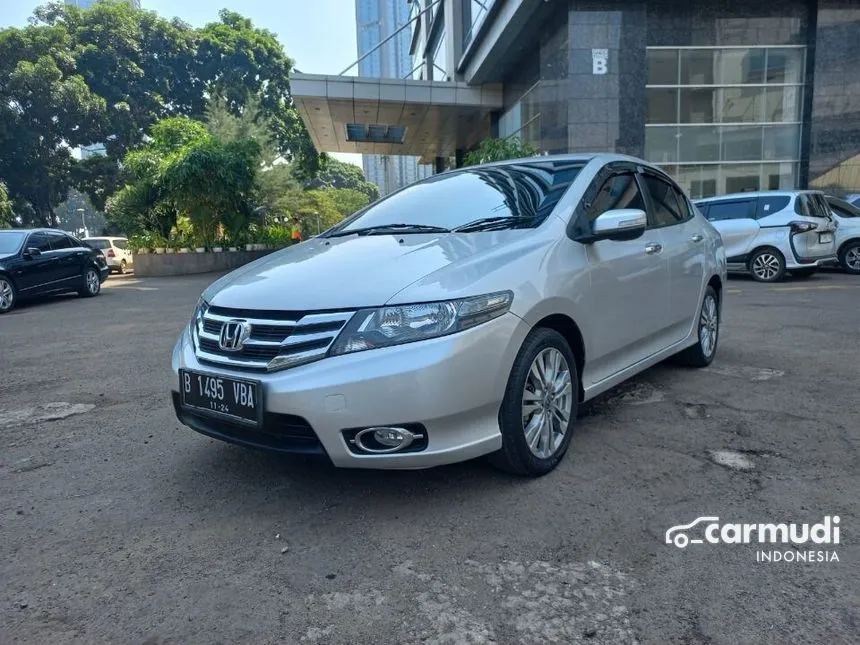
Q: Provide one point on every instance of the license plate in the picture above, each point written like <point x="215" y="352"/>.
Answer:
<point x="825" y="238"/>
<point x="237" y="399"/>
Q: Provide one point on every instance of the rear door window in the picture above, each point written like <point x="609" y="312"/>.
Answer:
<point x="669" y="207"/>
<point x="59" y="241"/>
<point x="39" y="241"/>
<point x="736" y="209"/>
<point x="771" y="204"/>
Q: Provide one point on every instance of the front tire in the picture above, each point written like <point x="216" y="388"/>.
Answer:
<point x="539" y="409"/>
<point x="849" y="257"/>
<point x="767" y="265"/>
<point x="702" y="353"/>
<point x="8" y="294"/>
<point x="92" y="283"/>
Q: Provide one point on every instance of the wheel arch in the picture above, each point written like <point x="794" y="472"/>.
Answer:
<point x="567" y="327"/>
<point x="838" y="251"/>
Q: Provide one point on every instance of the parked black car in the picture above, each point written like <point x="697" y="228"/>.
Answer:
<point x="40" y="261"/>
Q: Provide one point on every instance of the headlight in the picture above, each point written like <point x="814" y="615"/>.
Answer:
<point x="386" y="326"/>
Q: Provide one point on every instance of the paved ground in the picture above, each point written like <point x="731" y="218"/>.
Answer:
<point x="117" y="525"/>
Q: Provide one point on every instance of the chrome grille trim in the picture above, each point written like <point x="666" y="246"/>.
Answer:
<point x="292" y="350"/>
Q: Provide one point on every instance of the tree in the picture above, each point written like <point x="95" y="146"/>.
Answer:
<point x="338" y="174"/>
<point x="7" y="213"/>
<point x="108" y="74"/>
<point x="347" y="200"/>
<point x="491" y="149"/>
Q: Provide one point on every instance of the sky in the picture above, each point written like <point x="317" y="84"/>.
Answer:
<point x="319" y="35"/>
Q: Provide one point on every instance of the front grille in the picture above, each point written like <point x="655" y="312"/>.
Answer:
<point x="276" y="340"/>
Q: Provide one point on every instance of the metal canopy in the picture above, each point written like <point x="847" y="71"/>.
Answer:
<point x="393" y="117"/>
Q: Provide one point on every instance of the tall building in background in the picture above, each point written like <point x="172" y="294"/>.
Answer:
<point x="376" y="20"/>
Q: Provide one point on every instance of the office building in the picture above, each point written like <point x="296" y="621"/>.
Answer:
<point x="376" y="20"/>
<point x="726" y="95"/>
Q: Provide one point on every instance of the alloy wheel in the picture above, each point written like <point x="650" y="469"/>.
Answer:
<point x="7" y="295"/>
<point x="547" y="402"/>
<point x="766" y="266"/>
<point x="709" y="325"/>
<point x="852" y="258"/>
<point x="92" y="281"/>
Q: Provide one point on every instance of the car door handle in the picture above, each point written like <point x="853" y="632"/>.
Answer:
<point x="697" y="238"/>
<point x="650" y="249"/>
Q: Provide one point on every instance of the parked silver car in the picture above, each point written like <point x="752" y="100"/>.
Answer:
<point x="769" y="233"/>
<point x="464" y="315"/>
<point x="847" y="234"/>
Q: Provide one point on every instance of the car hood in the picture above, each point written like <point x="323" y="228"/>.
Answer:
<point x="352" y="272"/>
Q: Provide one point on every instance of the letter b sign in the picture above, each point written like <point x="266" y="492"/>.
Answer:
<point x="599" y="61"/>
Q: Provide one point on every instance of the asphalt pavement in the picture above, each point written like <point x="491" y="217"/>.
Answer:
<point x="118" y="525"/>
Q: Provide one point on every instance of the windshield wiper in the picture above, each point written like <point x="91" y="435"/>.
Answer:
<point x="493" y="223"/>
<point x="384" y="229"/>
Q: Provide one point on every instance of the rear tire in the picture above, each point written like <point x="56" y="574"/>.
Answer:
<point x="802" y="274"/>
<point x="8" y="294"/>
<point x="849" y="257"/>
<point x="92" y="283"/>
<point x="708" y="333"/>
<point x="767" y="265"/>
<point x="540" y="405"/>
<point x="123" y="267"/>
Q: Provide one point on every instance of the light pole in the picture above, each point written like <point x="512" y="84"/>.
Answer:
<point x="83" y="221"/>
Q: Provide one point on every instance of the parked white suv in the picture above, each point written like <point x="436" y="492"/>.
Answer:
<point x="466" y="314"/>
<point x="847" y="234"/>
<point x="115" y="250"/>
<point x="769" y="233"/>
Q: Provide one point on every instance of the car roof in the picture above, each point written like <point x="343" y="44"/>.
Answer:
<point x="34" y="230"/>
<point x="755" y="194"/>
<point x="584" y="157"/>
<point x="104" y="237"/>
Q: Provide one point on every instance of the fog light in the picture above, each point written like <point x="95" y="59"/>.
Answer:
<point x="383" y="440"/>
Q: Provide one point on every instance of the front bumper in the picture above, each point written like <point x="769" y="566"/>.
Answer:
<point x="452" y="386"/>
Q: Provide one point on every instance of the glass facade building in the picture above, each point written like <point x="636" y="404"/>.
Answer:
<point x="726" y="95"/>
<point x="376" y="20"/>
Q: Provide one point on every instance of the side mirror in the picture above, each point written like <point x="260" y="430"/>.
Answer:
<point x="32" y="252"/>
<point x="618" y="225"/>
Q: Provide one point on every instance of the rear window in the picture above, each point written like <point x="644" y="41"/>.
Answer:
<point x="843" y="208"/>
<point x="737" y="209"/>
<point x="121" y="244"/>
<point x="98" y="244"/>
<point x="771" y="204"/>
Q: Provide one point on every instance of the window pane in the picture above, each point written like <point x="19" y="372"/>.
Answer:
<point x="742" y="178"/>
<point x="662" y="106"/>
<point x="781" y="142"/>
<point x="785" y="65"/>
<point x="698" y="181"/>
<point x="779" y="176"/>
<point x="741" y="104"/>
<point x="620" y="191"/>
<point x="700" y="143"/>
<point x="662" y="67"/>
<point x="59" y="241"/>
<point x="741" y="66"/>
<point x="661" y="144"/>
<point x="735" y="209"/>
<point x="697" y="106"/>
<point x="697" y="66"/>
<point x="666" y="209"/>
<point x="742" y="144"/>
<point x="39" y="241"/>
<point x="782" y="104"/>
<point x="769" y="205"/>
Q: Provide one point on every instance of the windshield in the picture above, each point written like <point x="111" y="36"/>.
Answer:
<point x="97" y="244"/>
<point x="524" y="192"/>
<point x="10" y="241"/>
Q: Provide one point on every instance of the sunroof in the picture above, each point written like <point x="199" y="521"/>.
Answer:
<point x="375" y="133"/>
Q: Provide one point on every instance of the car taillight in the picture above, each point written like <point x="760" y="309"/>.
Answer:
<point x="110" y="253"/>
<point x="802" y="227"/>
